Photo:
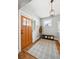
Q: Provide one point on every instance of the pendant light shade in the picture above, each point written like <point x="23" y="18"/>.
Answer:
<point x="52" y="12"/>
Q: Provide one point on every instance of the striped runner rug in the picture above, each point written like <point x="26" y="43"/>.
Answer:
<point x="44" y="49"/>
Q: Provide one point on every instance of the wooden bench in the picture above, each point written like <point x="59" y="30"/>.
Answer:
<point x="47" y="37"/>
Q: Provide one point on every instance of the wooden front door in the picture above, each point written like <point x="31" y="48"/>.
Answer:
<point x="26" y="32"/>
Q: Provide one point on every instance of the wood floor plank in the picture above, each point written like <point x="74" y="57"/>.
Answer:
<point x="23" y="55"/>
<point x="58" y="46"/>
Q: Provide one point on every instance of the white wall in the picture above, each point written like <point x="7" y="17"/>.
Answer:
<point x="35" y="33"/>
<point x="53" y="29"/>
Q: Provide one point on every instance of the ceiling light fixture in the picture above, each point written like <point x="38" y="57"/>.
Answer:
<point x="52" y="12"/>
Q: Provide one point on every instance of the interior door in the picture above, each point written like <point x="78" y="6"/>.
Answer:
<point x="26" y="32"/>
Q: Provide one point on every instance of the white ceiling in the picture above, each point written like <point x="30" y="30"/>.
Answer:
<point x="41" y="8"/>
<point x="21" y="3"/>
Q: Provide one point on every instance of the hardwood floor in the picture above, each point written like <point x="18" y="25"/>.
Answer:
<point x="58" y="46"/>
<point x="25" y="55"/>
